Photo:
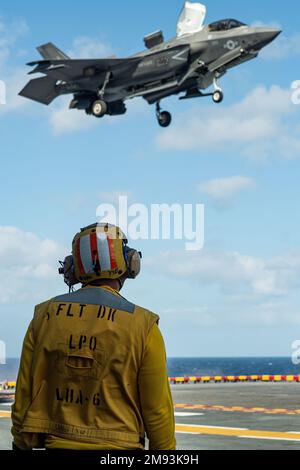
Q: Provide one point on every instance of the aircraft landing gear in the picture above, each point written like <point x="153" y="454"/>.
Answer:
<point x="164" y="118"/>
<point x="99" y="108"/>
<point x="218" y="94"/>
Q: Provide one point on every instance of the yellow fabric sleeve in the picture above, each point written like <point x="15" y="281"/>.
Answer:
<point x="155" y="394"/>
<point x="23" y="396"/>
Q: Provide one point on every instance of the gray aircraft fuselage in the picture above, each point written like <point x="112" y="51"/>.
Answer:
<point x="163" y="62"/>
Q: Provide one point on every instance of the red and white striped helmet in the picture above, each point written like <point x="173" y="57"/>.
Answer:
<point x="99" y="252"/>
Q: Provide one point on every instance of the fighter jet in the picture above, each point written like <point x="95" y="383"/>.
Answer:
<point x="190" y="63"/>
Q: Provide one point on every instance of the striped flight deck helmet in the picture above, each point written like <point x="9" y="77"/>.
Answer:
<point x="100" y="251"/>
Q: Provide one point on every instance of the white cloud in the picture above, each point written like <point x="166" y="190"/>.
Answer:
<point x="224" y="190"/>
<point x="28" y="266"/>
<point x="250" y="314"/>
<point x="194" y="316"/>
<point x="232" y="272"/>
<point x="256" y="127"/>
<point x="64" y="120"/>
<point x="9" y="35"/>
<point x="85" y="47"/>
<point x="268" y="314"/>
<point x="13" y="77"/>
<point x="251" y="292"/>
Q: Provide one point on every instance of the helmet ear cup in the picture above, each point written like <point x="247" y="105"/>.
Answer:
<point x="68" y="271"/>
<point x="133" y="260"/>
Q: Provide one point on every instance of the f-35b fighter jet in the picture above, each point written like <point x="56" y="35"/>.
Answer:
<point x="189" y="63"/>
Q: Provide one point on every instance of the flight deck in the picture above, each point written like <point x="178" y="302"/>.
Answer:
<point x="225" y="416"/>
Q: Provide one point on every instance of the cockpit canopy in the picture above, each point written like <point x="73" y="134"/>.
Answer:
<point x="225" y="25"/>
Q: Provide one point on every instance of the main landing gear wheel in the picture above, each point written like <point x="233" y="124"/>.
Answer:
<point x="164" y="118"/>
<point x="99" y="108"/>
<point x="218" y="96"/>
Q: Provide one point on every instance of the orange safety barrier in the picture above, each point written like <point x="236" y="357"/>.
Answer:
<point x="290" y="378"/>
<point x="4" y="386"/>
<point x="11" y="384"/>
<point x="266" y="378"/>
<point x="254" y="378"/>
<point x="236" y="379"/>
<point x="218" y="379"/>
<point x="205" y="379"/>
<point x="194" y="379"/>
<point x="242" y="378"/>
<point x="230" y="378"/>
<point x="210" y="379"/>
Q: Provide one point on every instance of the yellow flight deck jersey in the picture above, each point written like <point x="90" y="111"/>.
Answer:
<point x="93" y="376"/>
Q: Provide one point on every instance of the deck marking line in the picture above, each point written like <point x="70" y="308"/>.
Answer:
<point x="239" y="409"/>
<point x="234" y="432"/>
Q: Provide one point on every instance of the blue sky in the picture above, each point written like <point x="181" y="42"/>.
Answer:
<point x="238" y="297"/>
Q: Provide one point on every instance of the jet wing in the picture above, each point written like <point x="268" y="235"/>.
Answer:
<point x="72" y="69"/>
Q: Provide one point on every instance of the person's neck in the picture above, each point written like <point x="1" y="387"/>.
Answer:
<point x="112" y="283"/>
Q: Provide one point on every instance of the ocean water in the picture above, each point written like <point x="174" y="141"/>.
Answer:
<point x="185" y="367"/>
<point x="9" y="371"/>
<point x="182" y="367"/>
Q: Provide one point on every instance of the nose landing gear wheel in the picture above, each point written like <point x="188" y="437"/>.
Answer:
<point x="218" y="96"/>
<point x="164" y="119"/>
<point x="99" y="108"/>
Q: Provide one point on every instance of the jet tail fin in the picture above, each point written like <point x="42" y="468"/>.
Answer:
<point x="41" y="90"/>
<point x="50" y="52"/>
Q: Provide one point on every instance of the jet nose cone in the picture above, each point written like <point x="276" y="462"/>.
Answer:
<point x="266" y="36"/>
<point x="272" y="34"/>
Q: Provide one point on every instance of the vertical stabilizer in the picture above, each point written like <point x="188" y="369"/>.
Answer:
<point x="50" y="52"/>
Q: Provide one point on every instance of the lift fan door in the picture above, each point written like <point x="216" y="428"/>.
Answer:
<point x="191" y="19"/>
